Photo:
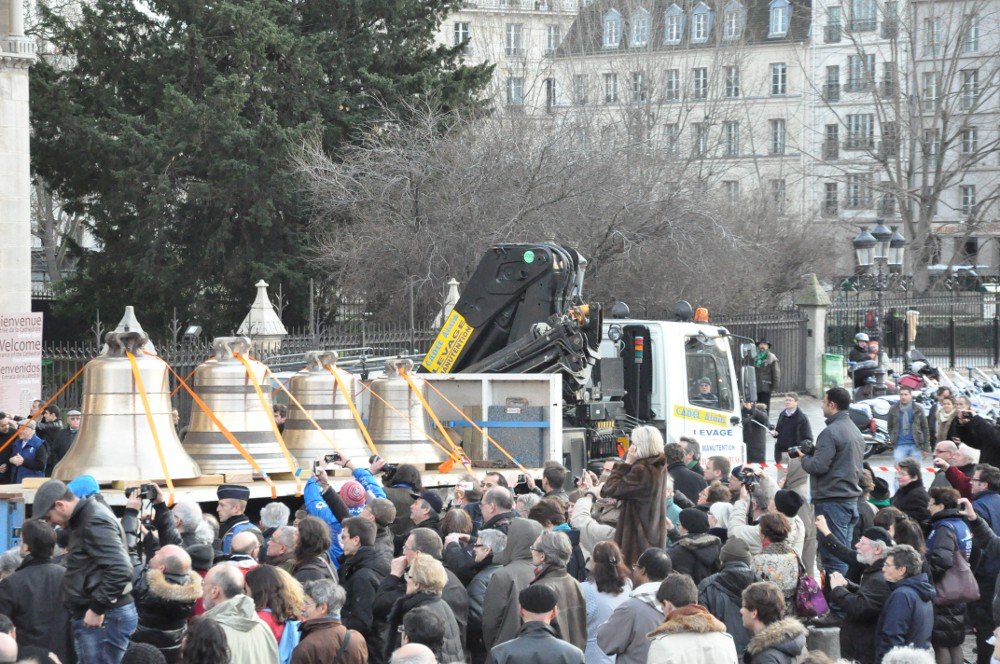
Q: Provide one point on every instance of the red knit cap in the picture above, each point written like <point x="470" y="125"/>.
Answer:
<point x="353" y="494"/>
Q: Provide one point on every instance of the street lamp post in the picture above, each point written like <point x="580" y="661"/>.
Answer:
<point x="880" y="255"/>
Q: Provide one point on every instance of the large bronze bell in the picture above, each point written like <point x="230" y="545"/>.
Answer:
<point x="115" y="441"/>
<point x="316" y="390"/>
<point x="225" y="386"/>
<point x="400" y="436"/>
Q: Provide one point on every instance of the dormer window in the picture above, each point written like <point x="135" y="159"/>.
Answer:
<point x="674" y="25"/>
<point x="612" y="29"/>
<point x="701" y="23"/>
<point x="780" y="11"/>
<point x="640" y="28"/>
<point x="732" y="20"/>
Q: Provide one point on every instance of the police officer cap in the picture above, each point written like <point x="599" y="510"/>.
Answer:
<point x="236" y="491"/>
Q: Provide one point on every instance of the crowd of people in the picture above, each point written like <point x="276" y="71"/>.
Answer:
<point x="663" y="557"/>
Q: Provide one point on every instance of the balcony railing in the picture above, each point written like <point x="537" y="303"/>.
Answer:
<point x="858" y="85"/>
<point x="967" y="102"/>
<point x="859" y="202"/>
<point x="859" y="142"/>
<point x="888" y="88"/>
<point x="888" y="147"/>
<point x="829" y="208"/>
<point x="890" y="28"/>
<point x="862" y="25"/>
<point x="514" y="52"/>
<point x="886" y="206"/>
<point x="831" y="92"/>
<point x="831" y="149"/>
<point x="832" y="34"/>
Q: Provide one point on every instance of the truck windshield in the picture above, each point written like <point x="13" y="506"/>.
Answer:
<point x="708" y="376"/>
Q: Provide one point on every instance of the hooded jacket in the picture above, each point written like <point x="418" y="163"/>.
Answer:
<point x="624" y="633"/>
<point x="536" y="643"/>
<point x="691" y="635"/>
<point x="451" y="649"/>
<point x="360" y="575"/>
<point x="862" y="603"/>
<point x="835" y="466"/>
<point x="639" y="488"/>
<point x="696" y="555"/>
<point x="27" y="597"/>
<point x="722" y="594"/>
<point x="781" y="642"/>
<point x="571" y="622"/>
<point x="164" y="602"/>
<point x="249" y="638"/>
<point x="907" y="618"/>
<point x="501" y="617"/>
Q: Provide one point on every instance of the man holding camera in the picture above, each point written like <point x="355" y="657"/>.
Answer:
<point x="978" y="432"/>
<point x="834" y="466"/>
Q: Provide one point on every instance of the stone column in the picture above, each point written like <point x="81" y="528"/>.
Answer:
<point x="813" y="301"/>
<point x="16" y="55"/>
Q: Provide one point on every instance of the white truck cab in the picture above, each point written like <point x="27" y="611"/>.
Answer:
<point x="686" y="378"/>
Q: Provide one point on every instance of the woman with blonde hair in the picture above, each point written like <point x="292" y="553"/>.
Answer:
<point x="640" y="485"/>
<point x="425" y="581"/>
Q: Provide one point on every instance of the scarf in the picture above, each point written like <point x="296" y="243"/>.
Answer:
<point x="761" y="357"/>
<point x="943" y="417"/>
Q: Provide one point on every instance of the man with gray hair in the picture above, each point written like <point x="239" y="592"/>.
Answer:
<point x="322" y="631"/>
<point x="272" y="516"/>
<point x="187" y="518"/>
<point x="281" y="548"/>
<point x="486" y="551"/>
<point x="550" y="554"/>
<point x="863" y="601"/>
<point x="413" y="653"/>
<point x="908" y="615"/>
<point x="525" y="502"/>
<point x="498" y="509"/>
<point x="250" y="639"/>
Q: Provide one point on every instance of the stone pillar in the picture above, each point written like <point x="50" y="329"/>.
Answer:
<point x="16" y="55"/>
<point x="813" y="301"/>
<point x="262" y="323"/>
<point x="450" y="300"/>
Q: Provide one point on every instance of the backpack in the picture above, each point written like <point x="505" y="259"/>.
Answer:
<point x="290" y="638"/>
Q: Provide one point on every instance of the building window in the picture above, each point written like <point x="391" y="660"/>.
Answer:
<point x="640" y="28"/>
<point x="732" y="20"/>
<point x="731" y="139"/>
<point x="858" y="191"/>
<point x="932" y="36"/>
<point x="970" y="140"/>
<point x="638" y="87"/>
<point x="831" y="142"/>
<point x="931" y="81"/>
<point x="860" y="72"/>
<point x="890" y="20"/>
<point x="674" y="25"/>
<point x="889" y="80"/>
<point x="515" y="40"/>
<point x="701" y="23"/>
<point x="700" y="139"/>
<point x="777" y="136"/>
<point x="550" y="92"/>
<point x="731" y="188"/>
<point x="970" y="89"/>
<point x="831" y="90"/>
<point x="861" y="131"/>
<point x="611" y="88"/>
<point x="515" y="91"/>
<point x="612" y="29"/>
<point x="553" y="37"/>
<point x="460" y="34"/>
<point x="581" y="89"/>
<point x="700" y="83"/>
<point x="732" y="81"/>
<point x="672" y="87"/>
<point x="971" y="42"/>
<point x="831" y="199"/>
<point x="778" y="195"/>
<point x="778" y="25"/>
<point x="968" y="193"/>
<point x="932" y="143"/>
<point x="671" y="139"/>
<point x="862" y="15"/>
<point x="779" y="78"/>
<point x="833" y="25"/>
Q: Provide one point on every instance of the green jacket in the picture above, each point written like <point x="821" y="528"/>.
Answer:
<point x="250" y="639"/>
<point x="921" y="432"/>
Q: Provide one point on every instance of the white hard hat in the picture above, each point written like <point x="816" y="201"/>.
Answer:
<point x="861" y="336"/>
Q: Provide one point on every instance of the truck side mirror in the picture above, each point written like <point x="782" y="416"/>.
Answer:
<point x="748" y="383"/>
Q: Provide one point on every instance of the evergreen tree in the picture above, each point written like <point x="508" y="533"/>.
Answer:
<point x="170" y="125"/>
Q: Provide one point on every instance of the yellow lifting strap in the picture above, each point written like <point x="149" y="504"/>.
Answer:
<point x="354" y="410"/>
<point x="292" y="463"/>
<point x="152" y="427"/>
<point x="457" y="452"/>
<point x="282" y="388"/>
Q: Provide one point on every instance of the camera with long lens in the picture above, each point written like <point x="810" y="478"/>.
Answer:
<point x="804" y="448"/>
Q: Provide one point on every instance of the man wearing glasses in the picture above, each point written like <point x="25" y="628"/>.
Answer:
<point x="985" y="485"/>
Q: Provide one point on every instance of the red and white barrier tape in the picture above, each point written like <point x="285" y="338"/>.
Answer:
<point x="884" y="469"/>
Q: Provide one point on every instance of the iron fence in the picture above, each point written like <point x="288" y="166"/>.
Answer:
<point x="786" y="330"/>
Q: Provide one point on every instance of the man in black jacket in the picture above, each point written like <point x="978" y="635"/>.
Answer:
<point x="686" y="481"/>
<point x="792" y="427"/>
<point x="98" y="582"/>
<point x="165" y="594"/>
<point x="862" y="602"/>
<point x="27" y="595"/>
<point x="911" y="498"/>
<point x="536" y="640"/>
<point x="361" y="572"/>
<point x="978" y="432"/>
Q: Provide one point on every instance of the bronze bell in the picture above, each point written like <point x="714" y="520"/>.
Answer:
<point x="316" y="390"/>
<point x="224" y="385"/>
<point x="115" y="441"/>
<point x="400" y="437"/>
